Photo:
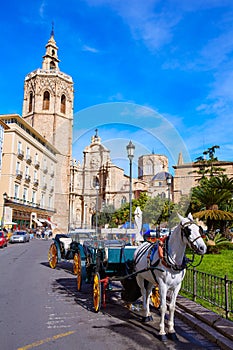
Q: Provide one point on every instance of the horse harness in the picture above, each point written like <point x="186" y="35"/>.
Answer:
<point x="164" y="257"/>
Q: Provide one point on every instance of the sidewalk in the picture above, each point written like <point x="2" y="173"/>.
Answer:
<point x="211" y="325"/>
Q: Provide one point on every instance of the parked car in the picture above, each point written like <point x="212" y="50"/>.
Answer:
<point x="3" y="239"/>
<point x="20" y="237"/>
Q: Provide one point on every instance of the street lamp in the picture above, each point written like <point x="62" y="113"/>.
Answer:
<point x="130" y="150"/>
<point x="85" y="216"/>
<point x="97" y="205"/>
<point x="169" y="183"/>
<point x="3" y="209"/>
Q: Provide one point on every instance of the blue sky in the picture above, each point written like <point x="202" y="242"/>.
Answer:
<point x="156" y="72"/>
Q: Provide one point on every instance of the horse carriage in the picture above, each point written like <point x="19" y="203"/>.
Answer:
<point x="106" y="262"/>
<point x="149" y="269"/>
<point x="67" y="247"/>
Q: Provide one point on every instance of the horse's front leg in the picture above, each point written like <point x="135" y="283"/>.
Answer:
<point x="172" y="306"/>
<point x="163" y="309"/>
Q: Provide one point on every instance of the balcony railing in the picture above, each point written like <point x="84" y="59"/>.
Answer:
<point x="35" y="183"/>
<point x="27" y="178"/>
<point x="24" y="202"/>
<point x="37" y="164"/>
<point x="28" y="159"/>
<point x="20" y="154"/>
<point x="19" y="174"/>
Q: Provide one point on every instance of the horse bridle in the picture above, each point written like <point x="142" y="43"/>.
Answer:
<point x="185" y="231"/>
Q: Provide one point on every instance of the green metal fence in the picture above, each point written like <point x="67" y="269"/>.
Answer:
<point x="215" y="290"/>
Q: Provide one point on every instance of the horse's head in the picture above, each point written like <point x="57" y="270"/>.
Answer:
<point x="192" y="233"/>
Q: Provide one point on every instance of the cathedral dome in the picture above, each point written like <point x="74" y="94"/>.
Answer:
<point x="161" y="176"/>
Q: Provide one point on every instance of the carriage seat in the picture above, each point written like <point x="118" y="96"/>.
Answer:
<point x="66" y="241"/>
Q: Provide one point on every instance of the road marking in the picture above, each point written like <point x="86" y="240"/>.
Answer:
<point x="47" y="340"/>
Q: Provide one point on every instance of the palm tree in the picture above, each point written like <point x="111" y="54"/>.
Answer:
<point x="212" y="195"/>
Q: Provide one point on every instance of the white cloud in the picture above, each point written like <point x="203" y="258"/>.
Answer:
<point x="89" y="49"/>
<point x="42" y="8"/>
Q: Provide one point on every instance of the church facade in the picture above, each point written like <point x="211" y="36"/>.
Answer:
<point x="97" y="183"/>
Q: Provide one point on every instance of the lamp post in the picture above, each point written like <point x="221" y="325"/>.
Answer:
<point x="130" y="151"/>
<point x="97" y="205"/>
<point x="85" y="216"/>
<point x="3" y="209"/>
<point x="169" y="182"/>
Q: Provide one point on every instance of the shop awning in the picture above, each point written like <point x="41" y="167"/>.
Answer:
<point x="37" y="222"/>
<point x="8" y="223"/>
<point x="49" y="223"/>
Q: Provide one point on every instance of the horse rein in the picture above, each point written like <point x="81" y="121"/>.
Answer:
<point x="186" y="232"/>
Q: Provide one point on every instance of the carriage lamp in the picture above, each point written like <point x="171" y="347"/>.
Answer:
<point x="169" y="182"/>
<point x="130" y="151"/>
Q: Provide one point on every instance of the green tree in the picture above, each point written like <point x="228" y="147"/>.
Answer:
<point x="208" y="166"/>
<point x="121" y="216"/>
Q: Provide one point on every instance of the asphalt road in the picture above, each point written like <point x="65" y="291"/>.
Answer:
<point x="40" y="308"/>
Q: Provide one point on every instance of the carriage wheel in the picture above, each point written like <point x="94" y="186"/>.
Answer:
<point x="77" y="268"/>
<point x="155" y="297"/>
<point x="52" y="256"/>
<point x="76" y="262"/>
<point x="97" y="292"/>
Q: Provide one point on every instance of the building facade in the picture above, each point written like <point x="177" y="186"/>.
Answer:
<point x="186" y="176"/>
<point x="27" y="174"/>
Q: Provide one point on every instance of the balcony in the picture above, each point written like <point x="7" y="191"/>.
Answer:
<point x="27" y="178"/>
<point x="45" y="170"/>
<point x="20" y="154"/>
<point x="19" y="174"/>
<point x="44" y="187"/>
<point x="28" y="159"/>
<point x="52" y="174"/>
<point x="51" y="189"/>
<point x="37" y="164"/>
<point x="35" y="183"/>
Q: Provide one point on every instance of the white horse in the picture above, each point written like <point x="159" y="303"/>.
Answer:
<point x="166" y="266"/>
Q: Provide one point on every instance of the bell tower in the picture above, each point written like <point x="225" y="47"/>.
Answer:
<point x="48" y="107"/>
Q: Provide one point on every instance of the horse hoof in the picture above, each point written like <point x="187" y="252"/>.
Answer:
<point x="172" y="336"/>
<point x="147" y="319"/>
<point x="163" y="337"/>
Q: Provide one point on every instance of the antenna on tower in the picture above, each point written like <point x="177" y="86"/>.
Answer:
<point x="52" y="31"/>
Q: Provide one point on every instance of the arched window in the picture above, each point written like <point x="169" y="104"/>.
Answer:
<point x="149" y="167"/>
<point x="95" y="182"/>
<point x="63" y="104"/>
<point x="52" y="65"/>
<point x="46" y="100"/>
<point x="30" y="102"/>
